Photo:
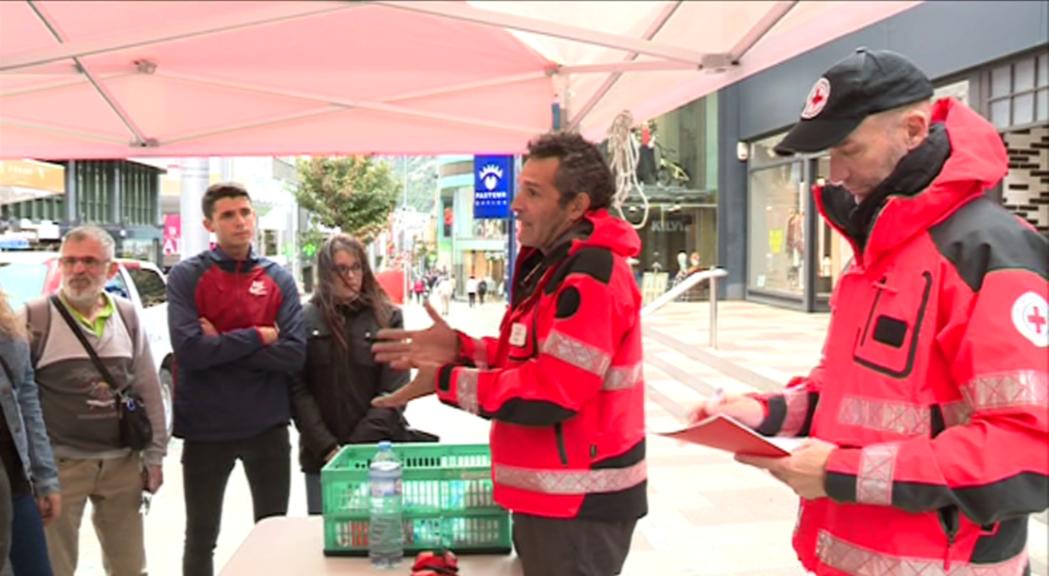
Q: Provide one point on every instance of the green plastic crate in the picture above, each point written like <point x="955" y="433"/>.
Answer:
<point x="447" y="500"/>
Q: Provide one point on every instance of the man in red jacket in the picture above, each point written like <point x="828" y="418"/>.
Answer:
<point x="562" y="383"/>
<point x="928" y="412"/>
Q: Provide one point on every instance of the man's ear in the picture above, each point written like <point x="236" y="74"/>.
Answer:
<point x="579" y="205"/>
<point x="916" y="126"/>
<point x="208" y="226"/>
<point x="113" y="269"/>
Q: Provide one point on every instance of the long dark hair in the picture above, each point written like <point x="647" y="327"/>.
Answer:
<point x="371" y="294"/>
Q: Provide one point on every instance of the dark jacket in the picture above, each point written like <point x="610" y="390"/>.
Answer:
<point x="331" y="398"/>
<point x="232" y="386"/>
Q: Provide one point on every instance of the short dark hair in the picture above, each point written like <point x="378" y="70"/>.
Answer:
<point x="581" y="167"/>
<point x="221" y="190"/>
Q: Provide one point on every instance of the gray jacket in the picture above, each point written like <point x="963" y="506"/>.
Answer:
<point x="25" y="420"/>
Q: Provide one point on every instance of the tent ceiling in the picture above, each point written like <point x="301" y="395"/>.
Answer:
<point x="118" y="79"/>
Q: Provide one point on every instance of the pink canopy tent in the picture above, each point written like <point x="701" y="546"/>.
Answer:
<point x="120" y="79"/>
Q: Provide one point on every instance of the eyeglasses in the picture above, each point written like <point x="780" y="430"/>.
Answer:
<point x="355" y="270"/>
<point x="88" y="261"/>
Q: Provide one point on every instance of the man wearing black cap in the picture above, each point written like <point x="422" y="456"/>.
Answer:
<point x="929" y="412"/>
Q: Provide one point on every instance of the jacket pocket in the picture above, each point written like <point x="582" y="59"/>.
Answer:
<point x="559" y="436"/>
<point x="888" y="342"/>
<point x="318" y="348"/>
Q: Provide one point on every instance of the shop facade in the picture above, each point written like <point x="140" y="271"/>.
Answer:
<point x="993" y="56"/>
<point x="467" y="246"/>
<point x="677" y="169"/>
<point x="121" y="196"/>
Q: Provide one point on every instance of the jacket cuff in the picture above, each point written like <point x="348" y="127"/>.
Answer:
<point x="457" y="386"/>
<point x="841" y="474"/>
<point x="152" y="457"/>
<point x="467" y="347"/>
<point x="45" y="487"/>
<point x="769" y="422"/>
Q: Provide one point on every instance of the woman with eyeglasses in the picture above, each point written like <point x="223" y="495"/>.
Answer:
<point x="25" y="449"/>
<point x="332" y="398"/>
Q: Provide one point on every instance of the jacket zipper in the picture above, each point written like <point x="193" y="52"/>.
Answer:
<point x="874" y="306"/>
<point x="949" y="520"/>
<point x="560" y="435"/>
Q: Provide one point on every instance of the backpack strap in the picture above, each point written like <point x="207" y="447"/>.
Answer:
<point x="38" y="322"/>
<point x="127" y="313"/>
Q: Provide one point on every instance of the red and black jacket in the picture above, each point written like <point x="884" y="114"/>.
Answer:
<point x="933" y="381"/>
<point x="563" y="383"/>
<point x="232" y="386"/>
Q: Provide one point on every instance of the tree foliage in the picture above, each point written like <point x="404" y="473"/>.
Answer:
<point x="354" y="193"/>
<point x="420" y="174"/>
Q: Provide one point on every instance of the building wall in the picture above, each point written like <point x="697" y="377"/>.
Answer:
<point x="942" y="38"/>
<point x="1026" y="187"/>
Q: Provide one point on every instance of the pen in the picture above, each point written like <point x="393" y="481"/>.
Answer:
<point x="719" y="395"/>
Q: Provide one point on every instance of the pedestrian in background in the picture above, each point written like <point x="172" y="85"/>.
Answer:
<point x="482" y="289"/>
<point x="471" y="290"/>
<point x="445" y="289"/>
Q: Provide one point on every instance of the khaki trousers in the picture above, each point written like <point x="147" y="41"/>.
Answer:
<point x="115" y="488"/>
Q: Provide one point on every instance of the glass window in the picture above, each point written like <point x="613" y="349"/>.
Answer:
<point x="1016" y="92"/>
<point x="1023" y="109"/>
<point x="1000" y="113"/>
<point x="1001" y="81"/>
<point x="117" y="287"/>
<point x="150" y="285"/>
<point x="1023" y="75"/>
<point x="762" y="152"/>
<point x="777" y="229"/>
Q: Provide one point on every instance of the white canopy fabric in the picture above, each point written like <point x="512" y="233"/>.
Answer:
<point x="119" y="79"/>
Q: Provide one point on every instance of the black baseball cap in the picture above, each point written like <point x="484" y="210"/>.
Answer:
<point x="866" y="82"/>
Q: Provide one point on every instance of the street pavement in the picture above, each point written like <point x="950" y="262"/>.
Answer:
<point x="708" y="514"/>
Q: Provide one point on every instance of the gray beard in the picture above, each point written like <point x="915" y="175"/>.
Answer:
<point x="82" y="301"/>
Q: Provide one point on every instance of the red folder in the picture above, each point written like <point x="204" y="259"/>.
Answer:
<point x="725" y="433"/>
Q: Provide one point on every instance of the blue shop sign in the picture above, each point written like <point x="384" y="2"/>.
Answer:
<point x="493" y="177"/>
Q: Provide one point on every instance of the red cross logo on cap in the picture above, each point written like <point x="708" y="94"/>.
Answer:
<point x="818" y="96"/>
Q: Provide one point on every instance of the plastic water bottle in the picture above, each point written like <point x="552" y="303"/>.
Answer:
<point x="385" y="532"/>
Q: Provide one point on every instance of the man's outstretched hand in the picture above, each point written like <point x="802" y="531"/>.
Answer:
<point x="423" y="384"/>
<point x="404" y="349"/>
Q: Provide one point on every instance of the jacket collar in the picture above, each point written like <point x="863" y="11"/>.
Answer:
<point x="975" y="160"/>
<point x="220" y="255"/>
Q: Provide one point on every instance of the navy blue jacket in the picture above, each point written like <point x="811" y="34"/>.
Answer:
<point x="232" y="386"/>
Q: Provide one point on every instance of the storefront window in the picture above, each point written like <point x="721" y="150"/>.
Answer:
<point x="677" y="229"/>
<point x="777" y="230"/>
<point x="138" y="249"/>
<point x="1019" y="94"/>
